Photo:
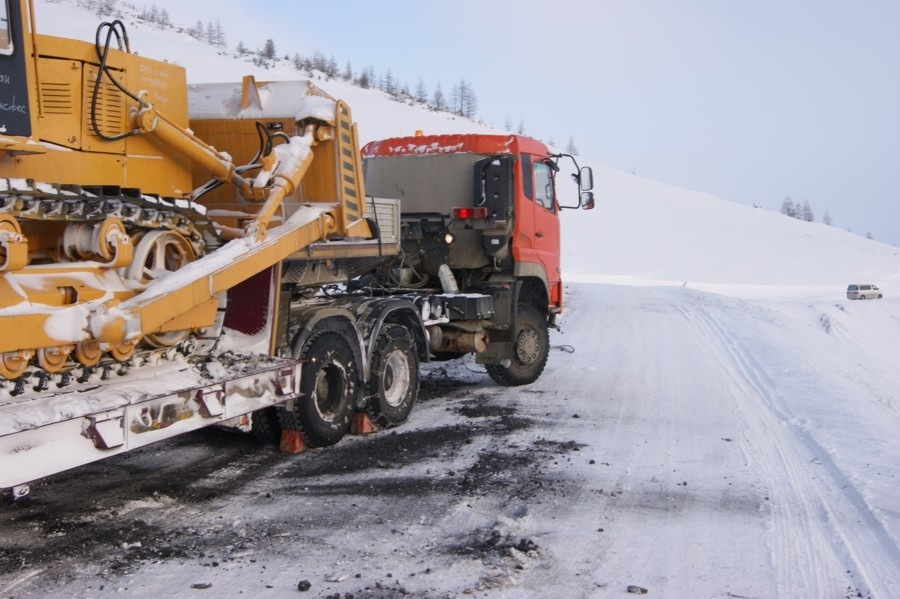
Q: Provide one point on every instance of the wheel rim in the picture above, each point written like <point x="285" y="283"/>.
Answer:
<point x="12" y="364"/>
<point x="395" y="379"/>
<point x="122" y="351"/>
<point x="329" y="390"/>
<point x="88" y="353"/>
<point x="159" y="253"/>
<point x="52" y="359"/>
<point x="528" y="346"/>
<point x="10" y="226"/>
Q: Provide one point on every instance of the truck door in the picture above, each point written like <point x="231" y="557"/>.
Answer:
<point x="539" y="228"/>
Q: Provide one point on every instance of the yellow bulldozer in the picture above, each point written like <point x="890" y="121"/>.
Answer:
<point x="125" y="238"/>
<point x="98" y="198"/>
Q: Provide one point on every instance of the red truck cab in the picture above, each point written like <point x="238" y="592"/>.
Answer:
<point x="489" y="201"/>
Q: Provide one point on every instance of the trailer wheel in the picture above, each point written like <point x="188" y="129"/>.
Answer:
<point x="531" y="348"/>
<point x="328" y="385"/>
<point x="265" y="426"/>
<point x="394" y="380"/>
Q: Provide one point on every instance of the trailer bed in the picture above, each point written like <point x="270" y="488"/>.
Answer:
<point x="48" y="432"/>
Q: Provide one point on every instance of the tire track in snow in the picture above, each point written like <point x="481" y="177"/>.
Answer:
<point x="638" y="484"/>
<point x="821" y="526"/>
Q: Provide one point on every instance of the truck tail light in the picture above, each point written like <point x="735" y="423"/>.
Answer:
<point x="469" y="213"/>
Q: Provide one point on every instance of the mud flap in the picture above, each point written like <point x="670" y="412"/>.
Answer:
<point x="501" y="339"/>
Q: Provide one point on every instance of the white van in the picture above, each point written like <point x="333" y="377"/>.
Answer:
<point x="856" y="291"/>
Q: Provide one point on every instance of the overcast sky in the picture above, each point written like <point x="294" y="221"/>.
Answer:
<point x="750" y="100"/>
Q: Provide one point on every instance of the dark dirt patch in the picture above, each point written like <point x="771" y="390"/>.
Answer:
<point x="392" y="450"/>
<point x="207" y="480"/>
<point x="491" y="543"/>
<point x="113" y="546"/>
<point x="386" y="450"/>
<point x="554" y="447"/>
<point x="376" y="487"/>
<point x="480" y="409"/>
<point x="437" y="381"/>
<point x="385" y="592"/>
<point x="495" y="470"/>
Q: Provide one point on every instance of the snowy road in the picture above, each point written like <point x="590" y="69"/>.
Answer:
<point x="691" y="445"/>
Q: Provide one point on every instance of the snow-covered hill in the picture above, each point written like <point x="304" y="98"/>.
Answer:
<point x="642" y="231"/>
<point x="655" y="233"/>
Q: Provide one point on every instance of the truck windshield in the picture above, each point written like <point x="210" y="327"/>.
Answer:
<point x="5" y="37"/>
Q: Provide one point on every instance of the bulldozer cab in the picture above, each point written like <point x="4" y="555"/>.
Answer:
<point x="15" y="117"/>
<point x="5" y="47"/>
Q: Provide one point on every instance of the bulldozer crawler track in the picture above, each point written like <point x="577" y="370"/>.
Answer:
<point x="73" y="376"/>
<point x="27" y="200"/>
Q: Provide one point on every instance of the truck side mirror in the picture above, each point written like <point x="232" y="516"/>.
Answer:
<point x="587" y="200"/>
<point x="586" y="179"/>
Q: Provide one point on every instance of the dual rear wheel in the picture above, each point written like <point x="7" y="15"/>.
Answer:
<point x="329" y="387"/>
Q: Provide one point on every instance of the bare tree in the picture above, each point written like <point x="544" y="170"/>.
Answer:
<point x="463" y="100"/>
<point x="471" y="107"/>
<point x="421" y="91"/>
<point x="268" y="50"/>
<point x="220" y="35"/>
<point x="364" y="81"/>
<point x="438" y="100"/>
<point x="805" y="212"/>
<point x="788" y="207"/>
<point x="456" y="99"/>
<point x="388" y="85"/>
<point x="331" y="67"/>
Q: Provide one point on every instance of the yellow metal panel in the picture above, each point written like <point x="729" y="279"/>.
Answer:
<point x="60" y="121"/>
<point x="73" y="167"/>
<point x="168" y="176"/>
<point x="151" y="174"/>
<point x="110" y="111"/>
<point x="26" y="332"/>
<point x="240" y="140"/>
<point x="320" y="182"/>
<point x="58" y="47"/>
<point x="165" y="84"/>
<point x="202" y="316"/>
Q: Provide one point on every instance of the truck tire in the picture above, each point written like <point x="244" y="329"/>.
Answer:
<point x="394" y="380"/>
<point x="328" y="387"/>
<point x="265" y="426"/>
<point x="531" y="348"/>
